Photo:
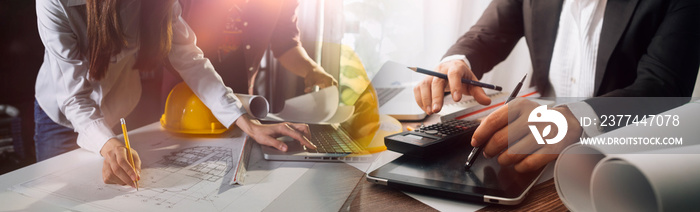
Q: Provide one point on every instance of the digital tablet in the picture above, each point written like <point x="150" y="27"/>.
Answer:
<point x="444" y="176"/>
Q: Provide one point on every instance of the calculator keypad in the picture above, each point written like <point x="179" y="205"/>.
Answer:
<point x="432" y="139"/>
<point x="447" y="128"/>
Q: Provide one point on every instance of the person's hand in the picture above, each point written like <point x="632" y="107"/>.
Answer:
<point x="265" y="134"/>
<point x="511" y="122"/>
<point x="116" y="168"/>
<point x="429" y="92"/>
<point x="319" y="77"/>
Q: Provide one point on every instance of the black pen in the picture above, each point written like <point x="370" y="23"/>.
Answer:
<point x="477" y="150"/>
<point x="465" y="81"/>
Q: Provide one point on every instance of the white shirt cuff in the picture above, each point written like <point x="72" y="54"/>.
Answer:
<point x="94" y="136"/>
<point x="457" y="57"/>
<point x="582" y="109"/>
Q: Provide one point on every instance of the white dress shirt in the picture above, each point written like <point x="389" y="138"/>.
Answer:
<point x="573" y="65"/>
<point x="572" y="69"/>
<point x="69" y="97"/>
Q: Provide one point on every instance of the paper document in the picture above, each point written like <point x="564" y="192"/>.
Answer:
<point x="320" y="107"/>
<point x="628" y="178"/>
<point x="256" y="105"/>
<point x="178" y="174"/>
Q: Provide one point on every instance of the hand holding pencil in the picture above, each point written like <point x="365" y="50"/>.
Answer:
<point x="117" y="167"/>
<point x="129" y="152"/>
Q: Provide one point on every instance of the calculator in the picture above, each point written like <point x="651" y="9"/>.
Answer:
<point x="431" y="139"/>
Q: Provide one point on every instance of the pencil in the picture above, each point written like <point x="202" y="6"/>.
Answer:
<point x="471" y="158"/>
<point x="465" y="81"/>
<point x="128" y="150"/>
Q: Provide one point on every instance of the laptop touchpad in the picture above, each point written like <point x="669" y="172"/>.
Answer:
<point x="293" y="146"/>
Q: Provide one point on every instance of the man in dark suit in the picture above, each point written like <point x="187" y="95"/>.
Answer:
<point x="620" y="48"/>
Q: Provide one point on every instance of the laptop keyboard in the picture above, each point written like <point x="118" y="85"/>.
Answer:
<point x="329" y="140"/>
<point x="385" y="94"/>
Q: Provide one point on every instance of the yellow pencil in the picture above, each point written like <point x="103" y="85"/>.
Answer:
<point x="128" y="150"/>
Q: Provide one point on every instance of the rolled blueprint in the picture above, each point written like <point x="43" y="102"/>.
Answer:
<point x="633" y="178"/>
<point x="256" y="105"/>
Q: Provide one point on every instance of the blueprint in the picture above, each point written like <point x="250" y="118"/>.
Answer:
<point x="178" y="174"/>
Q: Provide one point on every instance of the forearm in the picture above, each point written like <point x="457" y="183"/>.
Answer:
<point x="493" y="37"/>
<point x="245" y="124"/>
<point x="297" y="61"/>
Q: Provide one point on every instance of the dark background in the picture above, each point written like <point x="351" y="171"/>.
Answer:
<point x="22" y="55"/>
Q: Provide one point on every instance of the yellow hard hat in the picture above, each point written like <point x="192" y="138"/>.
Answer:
<point x="186" y="113"/>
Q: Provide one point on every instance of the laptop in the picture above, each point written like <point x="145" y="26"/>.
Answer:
<point x="394" y="84"/>
<point x="334" y="143"/>
<point x="347" y="141"/>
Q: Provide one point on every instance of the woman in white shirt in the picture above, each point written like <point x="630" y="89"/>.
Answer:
<point x="90" y="76"/>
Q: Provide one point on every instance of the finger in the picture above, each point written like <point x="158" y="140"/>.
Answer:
<point x="438" y="87"/>
<point x="417" y="95"/>
<point x="490" y="125"/>
<point x="327" y="83"/>
<point x="335" y="82"/>
<point x="507" y="158"/>
<point x="425" y="95"/>
<point x="496" y="143"/>
<point x="500" y="140"/>
<point x="535" y="161"/>
<point x="454" y="78"/>
<point x="515" y="130"/>
<point x="107" y="173"/>
<point x="321" y="82"/>
<point x="518" y="151"/>
<point x="115" y="180"/>
<point x="291" y="132"/>
<point x="323" y="85"/>
<point x="303" y="128"/>
<point x="269" y="141"/>
<point x="137" y="164"/>
<point x="122" y="177"/>
<point x="478" y="93"/>
<point x="122" y="160"/>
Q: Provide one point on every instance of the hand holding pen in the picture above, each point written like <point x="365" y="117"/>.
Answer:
<point x="429" y="93"/>
<point x="471" y="158"/>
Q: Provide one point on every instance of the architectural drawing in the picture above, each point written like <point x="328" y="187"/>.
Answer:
<point x="203" y="162"/>
<point x="193" y="174"/>
<point x="190" y="177"/>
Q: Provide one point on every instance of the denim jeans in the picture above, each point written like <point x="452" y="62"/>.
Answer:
<point x="50" y="138"/>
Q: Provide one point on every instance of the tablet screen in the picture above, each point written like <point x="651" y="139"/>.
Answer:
<point x="446" y="172"/>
